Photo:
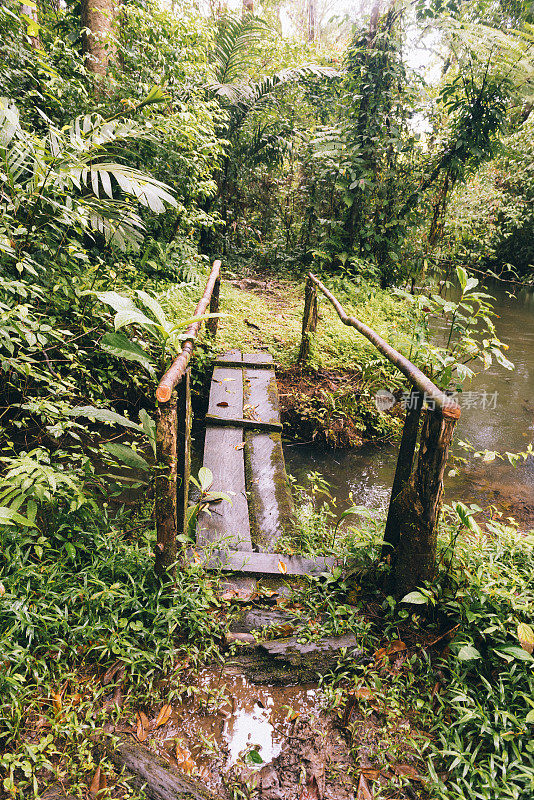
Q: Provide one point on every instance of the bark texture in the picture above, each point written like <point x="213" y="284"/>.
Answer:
<point x="419" y="504"/>
<point x="166" y="484"/>
<point x="97" y="18"/>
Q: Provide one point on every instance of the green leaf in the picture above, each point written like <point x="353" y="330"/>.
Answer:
<point x="121" y="346"/>
<point x="103" y="415"/>
<point x="416" y="598"/>
<point x="530" y="716"/>
<point x="152" y="304"/>
<point x="501" y="358"/>
<point x="255" y="757"/>
<point x="10" y="517"/>
<point x="205" y="478"/>
<point x="214" y="497"/>
<point x="149" y="427"/>
<point x="462" y="277"/>
<point x="468" y="653"/>
<point x="155" y="95"/>
<point x="71" y="550"/>
<point x="514" y="652"/>
<point x="127" y="456"/>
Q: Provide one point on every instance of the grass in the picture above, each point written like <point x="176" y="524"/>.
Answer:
<point x="68" y="615"/>
<point x="449" y="674"/>
<point x="277" y="313"/>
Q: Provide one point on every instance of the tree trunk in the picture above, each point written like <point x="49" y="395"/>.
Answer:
<point x="419" y="503"/>
<point x="312" y="20"/>
<point x="97" y="19"/>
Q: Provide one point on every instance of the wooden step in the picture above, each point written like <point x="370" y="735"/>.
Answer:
<point x="263" y="563"/>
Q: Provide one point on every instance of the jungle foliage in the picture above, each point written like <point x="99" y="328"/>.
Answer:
<point x="138" y="142"/>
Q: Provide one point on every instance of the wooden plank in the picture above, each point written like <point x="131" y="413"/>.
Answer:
<point x="263" y="563"/>
<point x="248" y="424"/>
<point x="228" y="523"/>
<point x="270" y="502"/>
<point x="252" y="364"/>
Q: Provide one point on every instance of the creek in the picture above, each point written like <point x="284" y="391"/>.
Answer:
<point x="497" y="415"/>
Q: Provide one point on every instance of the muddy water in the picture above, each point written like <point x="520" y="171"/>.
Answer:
<point x="498" y="414"/>
<point x="226" y="717"/>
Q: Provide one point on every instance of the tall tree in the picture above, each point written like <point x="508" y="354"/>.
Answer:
<point x="97" y="18"/>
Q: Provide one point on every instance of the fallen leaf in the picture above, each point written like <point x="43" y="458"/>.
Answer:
<point x="181" y="753"/>
<point x="251" y="324"/>
<point x="117" y="669"/>
<point x="223" y="403"/>
<point x="228" y="379"/>
<point x="163" y="716"/>
<point x="407" y="771"/>
<point x="282" y="567"/>
<point x="364" y="792"/>
<point x="525" y="634"/>
<point x="311" y="790"/>
<point x="363" y="693"/>
<point x="393" y="647"/>
<point x="98" y="783"/>
<point x="2" y="590"/>
<point x="142" y="726"/>
<point x="57" y="702"/>
<point x="188" y="766"/>
<point x="370" y="774"/>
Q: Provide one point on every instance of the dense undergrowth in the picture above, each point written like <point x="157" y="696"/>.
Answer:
<point x="446" y="685"/>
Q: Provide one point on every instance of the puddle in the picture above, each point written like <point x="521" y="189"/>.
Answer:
<point x="226" y="717"/>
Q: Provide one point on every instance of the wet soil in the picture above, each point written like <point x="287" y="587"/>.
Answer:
<point x="231" y="732"/>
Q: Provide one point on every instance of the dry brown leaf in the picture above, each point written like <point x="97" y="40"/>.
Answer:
<point x="142" y="726"/>
<point x="282" y="567"/>
<point x="98" y="783"/>
<point x="311" y="790"/>
<point x="370" y="774"/>
<point x="57" y="702"/>
<point x="363" y="693"/>
<point x="188" y="766"/>
<point x="223" y="404"/>
<point x="407" y="771"/>
<point x="364" y="792"/>
<point x="393" y="647"/>
<point x="117" y="669"/>
<point x="181" y="753"/>
<point x="525" y="634"/>
<point x="163" y="716"/>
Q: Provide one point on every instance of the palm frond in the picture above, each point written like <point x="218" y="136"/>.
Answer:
<point x="236" y="40"/>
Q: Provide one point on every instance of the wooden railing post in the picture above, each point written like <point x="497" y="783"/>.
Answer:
<point x="165" y="488"/>
<point x="173" y="439"/>
<point x="419" y="504"/>
<point x="211" y="324"/>
<point x="403" y="470"/>
<point x="183" y="450"/>
<point x="173" y="452"/>
<point x="309" y="321"/>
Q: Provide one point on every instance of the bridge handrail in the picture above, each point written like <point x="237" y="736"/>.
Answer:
<point x="410" y="535"/>
<point x="173" y="436"/>
<point x="177" y="370"/>
<point x="417" y="378"/>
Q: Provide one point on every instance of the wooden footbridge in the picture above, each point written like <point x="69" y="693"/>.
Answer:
<point x="243" y="451"/>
